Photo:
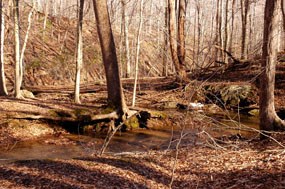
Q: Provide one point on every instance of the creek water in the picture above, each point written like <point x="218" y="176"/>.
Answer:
<point x="74" y="145"/>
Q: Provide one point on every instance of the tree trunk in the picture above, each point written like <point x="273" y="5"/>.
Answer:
<point x="225" y="23"/>
<point x="244" y="13"/>
<point x="79" y="52"/>
<point x="268" y="118"/>
<point x="181" y="31"/>
<point x="218" y="41"/>
<point x="180" y="72"/>
<point x="126" y="35"/>
<point x="114" y="86"/>
<point x="46" y="13"/>
<point x="3" y="89"/>
<point x="22" y="63"/>
<point x="17" y="49"/>
<point x="232" y="27"/>
<point x="137" y="53"/>
<point x="165" y="45"/>
<point x="283" y="22"/>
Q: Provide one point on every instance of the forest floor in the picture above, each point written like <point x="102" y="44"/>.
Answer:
<point x="230" y="162"/>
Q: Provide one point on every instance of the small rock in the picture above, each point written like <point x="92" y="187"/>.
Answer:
<point x="27" y="94"/>
<point x="254" y="112"/>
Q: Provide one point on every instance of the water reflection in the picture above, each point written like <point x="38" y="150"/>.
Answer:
<point x="72" y="145"/>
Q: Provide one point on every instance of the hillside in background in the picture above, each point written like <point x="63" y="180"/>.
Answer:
<point x="50" y="57"/>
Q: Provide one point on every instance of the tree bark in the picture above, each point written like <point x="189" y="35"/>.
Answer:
<point x="232" y="26"/>
<point x="180" y="72"/>
<point x="126" y="35"/>
<point x="17" y="49"/>
<point x="244" y="13"/>
<point x="181" y="31"/>
<point x="22" y="63"/>
<point x="283" y="19"/>
<point x="79" y="52"/>
<point x="47" y="4"/>
<point x="268" y="118"/>
<point x="114" y="86"/>
<point x="165" y="45"/>
<point x="225" y="36"/>
<point x="137" y="53"/>
<point x="218" y="31"/>
<point x="3" y="89"/>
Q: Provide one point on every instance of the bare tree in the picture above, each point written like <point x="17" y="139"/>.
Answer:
<point x="244" y="15"/>
<point x="3" y="89"/>
<point x="283" y="19"/>
<point x="126" y="39"/>
<point x="181" y="31"/>
<point x="22" y="66"/>
<point x="225" y="23"/>
<point x="79" y="61"/>
<point x="218" y="32"/>
<point x="232" y="26"/>
<point x="47" y="5"/>
<point x="179" y="68"/>
<point x="17" y="49"/>
<point x="114" y="86"/>
<point x="269" y="120"/>
<point x="165" y="45"/>
<point x="138" y="53"/>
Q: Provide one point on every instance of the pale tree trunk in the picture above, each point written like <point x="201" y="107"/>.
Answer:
<point x="280" y="28"/>
<point x="22" y="64"/>
<point x="79" y="57"/>
<point x="244" y="14"/>
<point x="137" y="53"/>
<point x="251" y="40"/>
<point x="47" y="4"/>
<point x="218" y="29"/>
<point x="199" y="31"/>
<point x="180" y="72"/>
<point x="181" y="31"/>
<point x="165" y="45"/>
<point x="150" y="16"/>
<point x="3" y="89"/>
<point x="232" y="26"/>
<point x="225" y="23"/>
<point x="194" y="39"/>
<point x="283" y="19"/>
<point x="126" y="35"/>
<point x="17" y="87"/>
<point x="121" y="48"/>
<point x="269" y="120"/>
<point x="212" y="31"/>
<point x="114" y="86"/>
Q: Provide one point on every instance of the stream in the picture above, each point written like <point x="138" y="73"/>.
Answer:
<point x="69" y="146"/>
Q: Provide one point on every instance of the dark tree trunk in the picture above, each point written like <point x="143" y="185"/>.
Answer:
<point x="181" y="31"/>
<point x="268" y="118"/>
<point x="114" y="86"/>
<point x="180" y="71"/>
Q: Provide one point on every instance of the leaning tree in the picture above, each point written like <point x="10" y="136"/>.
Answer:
<point x="114" y="86"/>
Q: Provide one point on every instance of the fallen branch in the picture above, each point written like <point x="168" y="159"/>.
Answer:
<point x="71" y="118"/>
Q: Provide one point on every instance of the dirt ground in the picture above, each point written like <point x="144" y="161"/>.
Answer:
<point x="229" y="162"/>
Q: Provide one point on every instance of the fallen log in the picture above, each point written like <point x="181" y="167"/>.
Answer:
<point x="71" y="118"/>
